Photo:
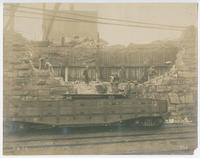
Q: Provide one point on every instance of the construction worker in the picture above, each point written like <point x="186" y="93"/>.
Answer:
<point x="122" y="74"/>
<point x="49" y="67"/>
<point x="85" y="74"/>
<point x="127" y="89"/>
<point x="151" y="72"/>
<point x="62" y="41"/>
<point x="114" y="83"/>
<point x="42" y="62"/>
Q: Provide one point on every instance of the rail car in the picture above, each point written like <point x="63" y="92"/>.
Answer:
<point x="89" y="110"/>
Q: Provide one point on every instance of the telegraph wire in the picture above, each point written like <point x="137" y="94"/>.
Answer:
<point x="104" y="18"/>
<point x="30" y="17"/>
<point x="98" y="22"/>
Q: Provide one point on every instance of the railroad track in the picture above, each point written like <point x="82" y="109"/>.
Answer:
<point x="94" y="143"/>
<point x="88" y="140"/>
<point x="97" y="137"/>
<point x="97" y="140"/>
<point x="83" y="130"/>
<point x="162" y="152"/>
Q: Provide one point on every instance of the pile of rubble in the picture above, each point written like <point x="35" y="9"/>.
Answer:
<point x="22" y="81"/>
<point x="179" y="85"/>
<point x="83" y="42"/>
<point x="17" y="69"/>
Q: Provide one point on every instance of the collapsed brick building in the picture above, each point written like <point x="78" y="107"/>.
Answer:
<point x="23" y="81"/>
<point x="179" y="85"/>
<point x="70" y="60"/>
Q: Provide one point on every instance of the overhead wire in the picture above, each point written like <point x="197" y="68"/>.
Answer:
<point x="41" y="18"/>
<point x="98" y="22"/>
<point x="105" y="18"/>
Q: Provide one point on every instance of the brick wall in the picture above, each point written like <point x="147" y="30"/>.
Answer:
<point x="179" y="85"/>
<point x="21" y="80"/>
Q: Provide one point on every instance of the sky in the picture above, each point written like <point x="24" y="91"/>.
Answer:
<point x="180" y="14"/>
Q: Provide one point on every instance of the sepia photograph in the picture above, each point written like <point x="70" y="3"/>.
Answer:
<point x="100" y="78"/>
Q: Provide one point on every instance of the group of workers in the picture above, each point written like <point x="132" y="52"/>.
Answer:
<point x="115" y="77"/>
<point x="120" y="76"/>
<point x="44" y="64"/>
